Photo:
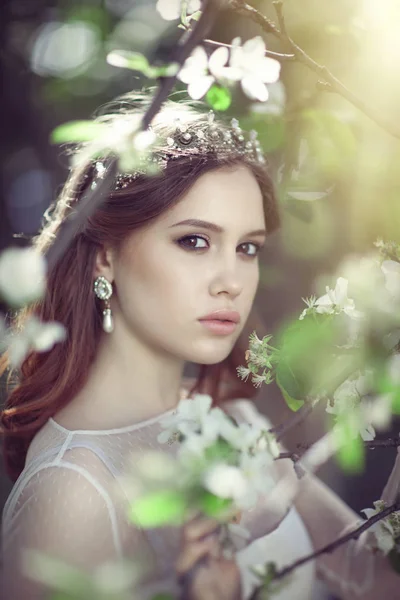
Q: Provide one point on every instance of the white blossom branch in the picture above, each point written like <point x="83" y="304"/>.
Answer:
<point x="329" y="81"/>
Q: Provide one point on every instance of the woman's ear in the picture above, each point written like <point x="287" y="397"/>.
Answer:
<point x="104" y="263"/>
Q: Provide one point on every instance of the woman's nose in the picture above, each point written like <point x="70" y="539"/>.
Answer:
<point x="226" y="283"/>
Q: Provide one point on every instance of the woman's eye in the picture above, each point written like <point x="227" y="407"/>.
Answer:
<point x="190" y="242"/>
<point x="252" y="249"/>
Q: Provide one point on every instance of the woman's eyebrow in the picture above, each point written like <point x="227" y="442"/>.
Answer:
<point x="213" y="226"/>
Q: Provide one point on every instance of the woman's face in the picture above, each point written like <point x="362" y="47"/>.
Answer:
<point x="168" y="275"/>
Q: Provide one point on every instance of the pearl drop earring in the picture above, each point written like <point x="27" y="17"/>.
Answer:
<point x="103" y="290"/>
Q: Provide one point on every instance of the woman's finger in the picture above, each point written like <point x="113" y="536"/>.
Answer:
<point x="199" y="528"/>
<point x="194" y="552"/>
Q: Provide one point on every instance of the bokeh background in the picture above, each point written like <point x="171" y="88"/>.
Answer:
<point x="336" y="169"/>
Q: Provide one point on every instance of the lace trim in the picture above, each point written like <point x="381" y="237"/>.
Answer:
<point x="125" y="429"/>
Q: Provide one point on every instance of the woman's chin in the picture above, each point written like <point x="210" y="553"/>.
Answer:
<point x="211" y="355"/>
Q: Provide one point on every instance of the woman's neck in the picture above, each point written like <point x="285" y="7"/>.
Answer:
<point x="125" y="385"/>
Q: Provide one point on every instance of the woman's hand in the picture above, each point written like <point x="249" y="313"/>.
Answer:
<point x="201" y="568"/>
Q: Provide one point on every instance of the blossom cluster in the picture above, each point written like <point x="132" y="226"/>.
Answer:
<point x="245" y="63"/>
<point x="236" y="457"/>
<point x="22" y="281"/>
<point x="385" y="532"/>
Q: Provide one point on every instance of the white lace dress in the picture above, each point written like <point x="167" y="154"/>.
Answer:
<point x="71" y="502"/>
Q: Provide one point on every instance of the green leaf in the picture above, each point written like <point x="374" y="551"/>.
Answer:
<point x="76" y="131"/>
<point x="163" y="596"/>
<point x="219" y="97"/>
<point x="220" y="450"/>
<point x="305" y="363"/>
<point x="166" y="507"/>
<point x="351" y="455"/>
<point x="292" y="403"/>
<point x="128" y="60"/>
<point x="195" y="16"/>
<point x="138" y="62"/>
<point x="385" y="385"/>
<point x="212" y="505"/>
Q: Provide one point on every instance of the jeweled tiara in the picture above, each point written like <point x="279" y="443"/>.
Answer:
<point x="206" y="137"/>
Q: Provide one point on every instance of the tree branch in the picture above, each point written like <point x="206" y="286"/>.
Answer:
<point x="94" y="198"/>
<point x="355" y="534"/>
<point x="370" y="444"/>
<point x="329" y="81"/>
<point x="292" y="421"/>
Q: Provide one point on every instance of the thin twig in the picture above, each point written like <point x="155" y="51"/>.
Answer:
<point x="355" y="534"/>
<point x="277" y="55"/>
<point x="278" y="5"/>
<point x="295" y="419"/>
<point x="370" y="444"/>
<point x="328" y="548"/>
<point x="246" y="10"/>
<point x="329" y="81"/>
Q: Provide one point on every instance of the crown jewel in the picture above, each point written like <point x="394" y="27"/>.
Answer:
<point x="207" y="137"/>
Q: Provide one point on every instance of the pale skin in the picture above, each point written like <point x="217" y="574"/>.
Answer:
<point x="162" y="288"/>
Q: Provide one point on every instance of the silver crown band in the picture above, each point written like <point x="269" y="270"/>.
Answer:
<point x="202" y="139"/>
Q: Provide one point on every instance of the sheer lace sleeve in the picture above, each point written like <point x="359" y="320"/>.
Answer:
<point x="352" y="571"/>
<point x="68" y="512"/>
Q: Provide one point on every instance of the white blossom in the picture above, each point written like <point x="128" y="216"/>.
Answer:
<point x="243" y="437"/>
<point x="35" y="335"/>
<point x="225" y="481"/>
<point x="243" y="483"/>
<point x="349" y="393"/>
<point x="188" y="417"/>
<point x="253" y="68"/>
<point x="382" y="530"/>
<point x="243" y="372"/>
<point x="374" y="286"/>
<point x="257" y="472"/>
<point x="348" y="403"/>
<point x="268" y="442"/>
<point x="391" y="271"/>
<point x="247" y="64"/>
<point x="336" y="301"/>
<point x="310" y="302"/>
<point x="195" y="73"/>
<point x="196" y="442"/>
<point x="171" y="9"/>
<point x="22" y="275"/>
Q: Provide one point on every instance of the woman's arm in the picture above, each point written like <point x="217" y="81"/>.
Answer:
<point x="352" y="571"/>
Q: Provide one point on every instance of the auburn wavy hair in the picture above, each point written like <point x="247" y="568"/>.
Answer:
<point x="46" y="381"/>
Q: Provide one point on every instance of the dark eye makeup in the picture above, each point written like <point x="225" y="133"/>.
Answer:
<point x="186" y="242"/>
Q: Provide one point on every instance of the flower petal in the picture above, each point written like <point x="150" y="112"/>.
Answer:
<point x="341" y="291"/>
<point x="218" y="58"/>
<point x="255" y="46"/>
<point x="269" y="70"/>
<point x="254" y="88"/>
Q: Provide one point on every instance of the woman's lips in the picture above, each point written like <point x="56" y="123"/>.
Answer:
<point x="218" y="326"/>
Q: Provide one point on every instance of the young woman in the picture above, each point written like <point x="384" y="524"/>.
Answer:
<point x="142" y="290"/>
